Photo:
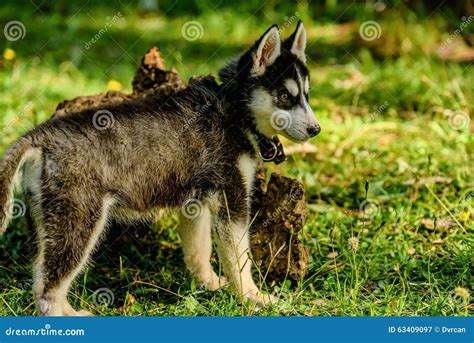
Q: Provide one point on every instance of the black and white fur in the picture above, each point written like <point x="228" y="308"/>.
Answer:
<point x="160" y="153"/>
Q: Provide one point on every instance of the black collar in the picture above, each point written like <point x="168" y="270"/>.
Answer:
<point x="271" y="149"/>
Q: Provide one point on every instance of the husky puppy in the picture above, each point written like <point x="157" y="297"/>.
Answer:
<point x="196" y="150"/>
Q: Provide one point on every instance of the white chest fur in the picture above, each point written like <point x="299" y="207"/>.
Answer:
<point x="247" y="167"/>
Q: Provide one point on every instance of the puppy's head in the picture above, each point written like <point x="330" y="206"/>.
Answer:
<point x="276" y="78"/>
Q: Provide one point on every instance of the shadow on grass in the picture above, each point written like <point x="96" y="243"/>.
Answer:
<point x="127" y="254"/>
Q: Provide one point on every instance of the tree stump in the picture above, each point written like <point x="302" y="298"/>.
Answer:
<point x="279" y="207"/>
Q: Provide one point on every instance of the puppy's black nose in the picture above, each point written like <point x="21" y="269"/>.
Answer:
<point x="314" y="130"/>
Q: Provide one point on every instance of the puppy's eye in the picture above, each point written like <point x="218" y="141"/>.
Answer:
<point x="283" y="96"/>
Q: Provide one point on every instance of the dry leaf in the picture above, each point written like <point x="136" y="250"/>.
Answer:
<point x="445" y="223"/>
<point x="131" y="299"/>
<point x="428" y="223"/>
<point x="319" y="302"/>
<point x="442" y="223"/>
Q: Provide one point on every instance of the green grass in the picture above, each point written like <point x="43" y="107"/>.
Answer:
<point x="386" y="110"/>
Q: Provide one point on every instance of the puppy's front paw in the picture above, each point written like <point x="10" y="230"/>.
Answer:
<point x="214" y="282"/>
<point x="259" y="299"/>
<point x="69" y="311"/>
<point x="84" y="313"/>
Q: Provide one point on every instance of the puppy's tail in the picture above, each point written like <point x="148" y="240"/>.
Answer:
<point x="10" y="164"/>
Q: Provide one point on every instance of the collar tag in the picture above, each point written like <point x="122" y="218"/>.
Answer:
<point x="271" y="149"/>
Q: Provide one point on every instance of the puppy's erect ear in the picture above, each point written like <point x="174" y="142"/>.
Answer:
<point x="296" y="43"/>
<point x="266" y="50"/>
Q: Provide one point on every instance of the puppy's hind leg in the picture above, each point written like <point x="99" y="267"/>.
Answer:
<point x="196" y="241"/>
<point x="67" y="235"/>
